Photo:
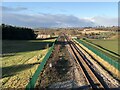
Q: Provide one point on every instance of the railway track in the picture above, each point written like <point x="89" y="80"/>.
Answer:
<point x="90" y="75"/>
<point x="81" y="70"/>
<point x="111" y="82"/>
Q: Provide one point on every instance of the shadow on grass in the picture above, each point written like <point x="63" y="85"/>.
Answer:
<point x="6" y="55"/>
<point x="9" y="47"/>
<point x="46" y="38"/>
<point x="13" y="70"/>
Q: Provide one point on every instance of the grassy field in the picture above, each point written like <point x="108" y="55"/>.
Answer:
<point x="111" y="45"/>
<point x="20" y="60"/>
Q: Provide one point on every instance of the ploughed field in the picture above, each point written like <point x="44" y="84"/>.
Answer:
<point x="20" y="59"/>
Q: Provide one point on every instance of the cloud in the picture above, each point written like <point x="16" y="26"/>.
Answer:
<point x="104" y="21"/>
<point x="45" y="20"/>
<point x="55" y="20"/>
<point x="4" y="8"/>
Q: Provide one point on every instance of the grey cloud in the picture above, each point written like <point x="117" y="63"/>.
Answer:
<point x="12" y="9"/>
<point x="45" y="20"/>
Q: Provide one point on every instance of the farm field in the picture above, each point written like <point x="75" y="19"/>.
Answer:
<point x="111" y="45"/>
<point x="20" y="60"/>
<point x="95" y="31"/>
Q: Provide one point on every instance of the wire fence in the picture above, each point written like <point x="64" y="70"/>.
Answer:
<point x="34" y="78"/>
<point x="100" y="54"/>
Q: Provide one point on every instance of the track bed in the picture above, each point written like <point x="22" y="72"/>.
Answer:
<point x="59" y="71"/>
<point x="69" y="66"/>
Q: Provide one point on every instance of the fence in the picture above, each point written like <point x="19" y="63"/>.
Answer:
<point x="34" y="78"/>
<point x="106" y="50"/>
<point x="103" y="56"/>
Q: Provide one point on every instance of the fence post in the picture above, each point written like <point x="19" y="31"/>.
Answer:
<point x="31" y="84"/>
<point x="103" y="56"/>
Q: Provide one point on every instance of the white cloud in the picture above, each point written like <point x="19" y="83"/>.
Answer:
<point x="104" y="21"/>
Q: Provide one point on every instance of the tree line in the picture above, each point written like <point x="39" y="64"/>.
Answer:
<point x="17" y="33"/>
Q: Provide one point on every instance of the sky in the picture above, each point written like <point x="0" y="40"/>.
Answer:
<point x="60" y="14"/>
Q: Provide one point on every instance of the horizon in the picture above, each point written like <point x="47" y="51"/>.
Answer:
<point x="59" y="27"/>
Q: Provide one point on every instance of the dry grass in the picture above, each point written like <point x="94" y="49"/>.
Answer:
<point x="109" y="67"/>
<point x="94" y="31"/>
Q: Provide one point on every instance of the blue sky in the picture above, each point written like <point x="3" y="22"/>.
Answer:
<point x="73" y="14"/>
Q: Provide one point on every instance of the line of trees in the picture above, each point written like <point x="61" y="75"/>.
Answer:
<point x="17" y="33"/>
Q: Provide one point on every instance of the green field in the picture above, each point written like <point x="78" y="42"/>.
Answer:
<point x="111" y="45"/>
<point x="20" y="60"/>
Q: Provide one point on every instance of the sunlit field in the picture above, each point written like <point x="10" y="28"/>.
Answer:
<point x="21" y="59"/>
